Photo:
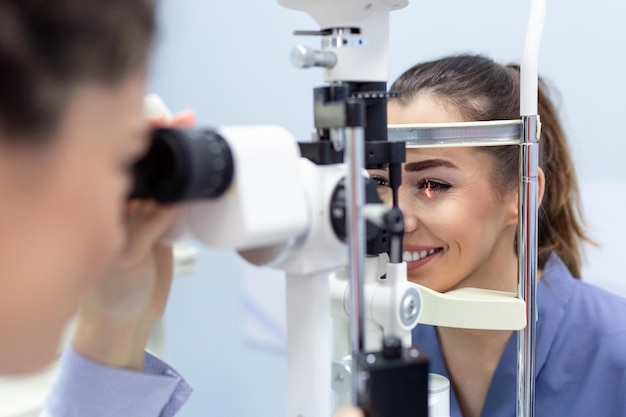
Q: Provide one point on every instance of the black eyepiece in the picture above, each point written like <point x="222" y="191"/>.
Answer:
<point x="183" y="165"/>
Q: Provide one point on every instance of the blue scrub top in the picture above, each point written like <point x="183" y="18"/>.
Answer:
<point x="580" y="353"/>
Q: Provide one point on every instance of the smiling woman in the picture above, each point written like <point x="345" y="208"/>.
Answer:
<point x="461" y="216"/>
<point x="454" y="218"/>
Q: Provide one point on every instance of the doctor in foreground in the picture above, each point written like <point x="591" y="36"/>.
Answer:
<point x="71" y="123"/>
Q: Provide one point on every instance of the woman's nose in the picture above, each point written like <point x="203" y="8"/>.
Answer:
<point x="410" y="216"/>
<point x="410" y="222"/>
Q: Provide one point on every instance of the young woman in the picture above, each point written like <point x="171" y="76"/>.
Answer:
<point x="461" y="214"/>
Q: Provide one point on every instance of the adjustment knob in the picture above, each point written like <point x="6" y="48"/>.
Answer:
<point x="306" y="57"/>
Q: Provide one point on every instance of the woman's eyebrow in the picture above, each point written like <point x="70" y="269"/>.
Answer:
<point x="427" y="164"/>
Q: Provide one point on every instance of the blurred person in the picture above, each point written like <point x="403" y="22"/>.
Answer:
<point x="72" y="79"/>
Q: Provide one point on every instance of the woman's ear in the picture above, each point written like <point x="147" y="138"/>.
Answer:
<point x="541" y="186"/>
<point x="514" y="202"/>
<point x="513" y="206"/>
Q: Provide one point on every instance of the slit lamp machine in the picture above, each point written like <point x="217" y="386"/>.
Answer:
<point x="350" y="308"/>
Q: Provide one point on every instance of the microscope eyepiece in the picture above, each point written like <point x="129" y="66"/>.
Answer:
<point x="183" y="165"/>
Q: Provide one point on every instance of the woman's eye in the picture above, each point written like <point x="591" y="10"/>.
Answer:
<point x="381" y="181"/>
<point x="384" y="189"/>
<point x="432" y="187"/>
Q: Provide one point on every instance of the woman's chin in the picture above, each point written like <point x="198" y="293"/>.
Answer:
<point x="428" y="281"/>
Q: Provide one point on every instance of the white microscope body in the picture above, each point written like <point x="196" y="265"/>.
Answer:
<point x="288" y="227"/>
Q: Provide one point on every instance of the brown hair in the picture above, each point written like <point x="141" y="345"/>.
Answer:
<point x="478" y="89"/>
<point x="47" y="47"/>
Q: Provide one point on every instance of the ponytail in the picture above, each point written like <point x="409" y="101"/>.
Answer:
<point x="561" y="225"/>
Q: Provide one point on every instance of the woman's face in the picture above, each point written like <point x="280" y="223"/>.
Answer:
<point x="61" y="216"/>
<point x="459" y="230"/>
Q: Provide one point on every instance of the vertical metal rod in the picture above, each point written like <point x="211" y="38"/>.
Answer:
<point x="527" y="263"/>
<point x="356" y="243"/>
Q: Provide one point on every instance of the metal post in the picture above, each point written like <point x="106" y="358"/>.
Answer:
<point x="356" y="242"/>
<point x="527" y="262"/>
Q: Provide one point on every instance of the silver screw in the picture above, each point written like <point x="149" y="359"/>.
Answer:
<point x="306" y="57"/>
<point x="410" y="307"/>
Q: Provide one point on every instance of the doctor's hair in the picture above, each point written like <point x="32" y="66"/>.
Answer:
<point x="50" y="47"/>
<point x="478" y="89"/>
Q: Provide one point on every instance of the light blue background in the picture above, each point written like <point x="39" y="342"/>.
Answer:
<point x="229" y="61"/>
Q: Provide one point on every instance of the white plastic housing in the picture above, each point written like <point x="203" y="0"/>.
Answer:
<point x="308" y="261"/>
<point x="265" y="204"/>
<point x="381" y="303"/>
<point x="366" y="59"/>
<point x="382" y="309"/>
<point x="438" y="396"/>
<point x="344" y="13"/>
<point x="530" y="59"/>
<point x="317" y="249"/>
<point x="472" y="308"/>
<point x="308" y="345"/>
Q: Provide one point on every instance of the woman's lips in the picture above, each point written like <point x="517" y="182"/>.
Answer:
<point x="416" y="257"/>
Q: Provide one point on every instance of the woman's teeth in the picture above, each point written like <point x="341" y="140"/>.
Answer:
<point x="412" y="256"/>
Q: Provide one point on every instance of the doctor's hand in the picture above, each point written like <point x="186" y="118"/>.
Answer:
<point x="349" y="412"/>
<point x="118" y="312"/>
